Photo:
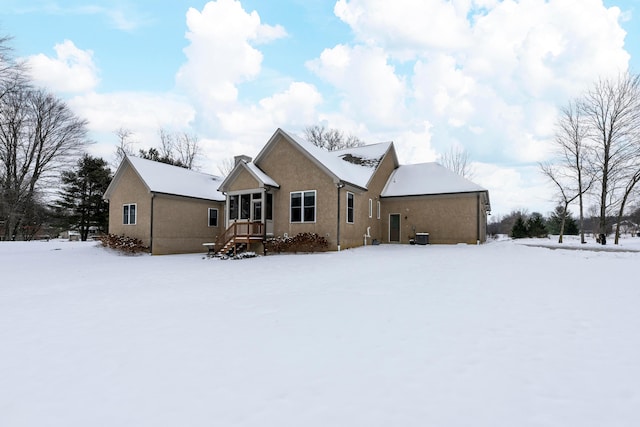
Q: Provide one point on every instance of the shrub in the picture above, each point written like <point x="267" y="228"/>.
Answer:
<point x="301" y="242"/>
<point x="128" y="245"/>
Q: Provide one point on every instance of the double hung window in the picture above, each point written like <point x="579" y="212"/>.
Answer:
<point x="303" y="206"/>
<point x="129" y="214"/>
<point x="213" y="217"/>
<point x="350" y="207"/>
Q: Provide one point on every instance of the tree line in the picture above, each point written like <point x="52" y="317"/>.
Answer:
<point x="597" y="152"/>
<point x="520" y="223"/>
<point x="40" y="137"/>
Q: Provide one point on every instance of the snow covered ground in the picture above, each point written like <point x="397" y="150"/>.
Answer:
<point x="501" y="334"/>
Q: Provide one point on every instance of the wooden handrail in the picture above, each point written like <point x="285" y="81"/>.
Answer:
<point x="244" y="229"/>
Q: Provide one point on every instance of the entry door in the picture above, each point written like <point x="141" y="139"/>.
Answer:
<point x="394" y="227"/>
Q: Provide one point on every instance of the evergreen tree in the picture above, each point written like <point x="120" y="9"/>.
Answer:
<point x="554" y="223"/>
<point x="535" y="226"/>
<point x="81" y="195"/>
<point x="154" y="154"/>
<point x="519" y="229"/>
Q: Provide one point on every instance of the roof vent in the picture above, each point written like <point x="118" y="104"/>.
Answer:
<point x="241" y="158"/>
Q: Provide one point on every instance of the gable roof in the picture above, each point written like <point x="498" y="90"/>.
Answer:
<point x="168" y="179"/>
<point x="427" y="179"/>
<point x="263" y="179"/>
<point x="355" y="166"/>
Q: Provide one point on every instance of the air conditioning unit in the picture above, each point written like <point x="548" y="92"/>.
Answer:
<point x="422" y="238"/>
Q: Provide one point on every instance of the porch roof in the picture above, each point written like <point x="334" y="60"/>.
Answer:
<point x="262" y="177"/>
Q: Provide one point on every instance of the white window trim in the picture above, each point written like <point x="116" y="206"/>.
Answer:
<point x="315" y="207"/>
<point x="378" y="208"/>
<point x="370" y="208"/>
<point x="209" y="217"/>
<point x="353" y="208"/>
<point x="135" y="216"/>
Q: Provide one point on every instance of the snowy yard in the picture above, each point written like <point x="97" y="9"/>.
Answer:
<point x="496" y="335"/>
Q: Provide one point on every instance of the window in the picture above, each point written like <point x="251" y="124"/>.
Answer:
<point x="213" y="217"/>
<point x="245" y="205"/>
<point x="129" y="214"/>
<point x="233" y="207"/>
<point x="370" y="208"/>
<point x="378" y="208"/>
<point x="269" y="212"/>
<point x="303" y="206"/>
<point x="349" y="207"/>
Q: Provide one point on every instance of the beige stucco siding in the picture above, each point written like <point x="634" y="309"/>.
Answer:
<point x="180" y="224"/>
<point x="448" y="219"/>
<point x="352" y="235"/>
<point x="244" y="181"/>
<point x="130" y="189"/>
<point x="295" y="172"/>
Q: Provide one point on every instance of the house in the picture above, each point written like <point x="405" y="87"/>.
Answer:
<point x="169" y="208"/>
<point x="351" y="197"/>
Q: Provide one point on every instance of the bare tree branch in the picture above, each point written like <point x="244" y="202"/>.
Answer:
<point x="457" y="160"/>
<point x="330" y="139"/>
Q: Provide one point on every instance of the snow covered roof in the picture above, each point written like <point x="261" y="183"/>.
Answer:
<point x="425" y="179"/>
<point x="352" y="165"/>
<point x="263" y="179"/>
<point x="261" y="176"/>
<point x="168" y="179"/>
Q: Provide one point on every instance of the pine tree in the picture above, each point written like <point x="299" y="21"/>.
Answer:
<point x="554" y="223"/>
<point x="535" y="226"/>
<point x="519" y="229"/>
<point x="154" y="154"/>
<point x="81" y="195"/>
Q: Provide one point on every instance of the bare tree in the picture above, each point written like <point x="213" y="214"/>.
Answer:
<point x="178" y="149"/>
<point x="187" y="148"/>
<point x="330" y="139"/>
<point x="457" y="160"/>
<point x="125" y="145"/>
<point x="226" y="166"/>
<point x="39" y="136"/>
<point x="572" y="172"/>
<point x="12" y="72"/>
<point x="612" y="112"/>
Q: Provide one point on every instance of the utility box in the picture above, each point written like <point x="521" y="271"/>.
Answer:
<point x="422" y="238"/>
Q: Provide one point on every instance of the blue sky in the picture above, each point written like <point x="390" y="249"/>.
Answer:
<point x="484" y="75"/>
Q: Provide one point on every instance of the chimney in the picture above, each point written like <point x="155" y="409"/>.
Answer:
<point x="241" y="158"/>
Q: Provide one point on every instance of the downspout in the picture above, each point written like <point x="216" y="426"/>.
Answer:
<point x="339" y="185"/>
<point x="478" y="219"/>
<point x="153" y="195"/>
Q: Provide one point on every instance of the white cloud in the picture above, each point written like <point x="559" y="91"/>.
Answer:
<point x="514" y="188"/>
<point x="244" y="130"/>
<point x="369" y="87"/>
<point x="293" y="108"/>
<point x="405" y="27"/>
<point x="143" y="114"/>
<point x="486" y="74"/>
<point x="221" y="53"/>
<point x="71" y="71"/>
